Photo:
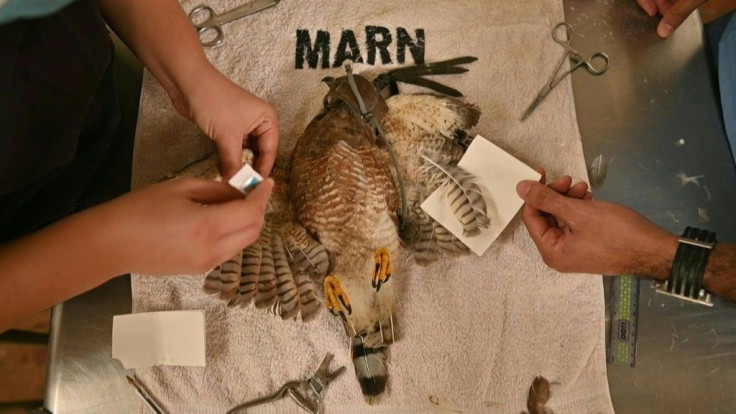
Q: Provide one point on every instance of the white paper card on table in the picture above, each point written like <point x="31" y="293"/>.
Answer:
<point x="159" y="338"/>
<point x="497" y="173"/>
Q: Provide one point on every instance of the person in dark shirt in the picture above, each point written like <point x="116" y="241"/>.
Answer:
<point x="58" y="115"/>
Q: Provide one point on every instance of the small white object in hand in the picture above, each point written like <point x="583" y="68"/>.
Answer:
<point x="245" y="179"/>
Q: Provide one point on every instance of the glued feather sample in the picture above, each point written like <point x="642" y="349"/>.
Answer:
<point x="465" y="196"/>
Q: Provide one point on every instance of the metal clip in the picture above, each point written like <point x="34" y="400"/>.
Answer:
<point x="278" y="395"/>
<point x="704" y="298"/>
<point x="323" y="377"/>
<point x="316" y="385"/>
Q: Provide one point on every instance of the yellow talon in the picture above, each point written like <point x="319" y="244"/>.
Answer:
<point x="383" y="268"/>
<point x="335" y="296"/>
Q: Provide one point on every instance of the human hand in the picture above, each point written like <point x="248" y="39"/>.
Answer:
<point x="230" y="115"/>
<point x="162" y="36"/>
<point x="673" y="13"/>
<point x="182" y="226"/>
<point x="575" y="233"/>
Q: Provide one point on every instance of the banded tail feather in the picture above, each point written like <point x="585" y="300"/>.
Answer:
<point x="447" y="242"/>
<point x="251" y="268"/>
<point x="465" y="197"/>
<point x="230" y="279"/>
<point x="266" y="288"/>
<point x="285" y="285"/>
<point x="370" y="369"/>
<point x="452" y="150"/>
<point x="431" y="238"/>
<point x="212" y="284"/>
<point x="425" y="246"/>
<point x="310" y="305"/>
<point x="306" y="255"/>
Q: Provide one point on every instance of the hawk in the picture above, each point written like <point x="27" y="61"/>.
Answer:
<point x="346" y="209"/>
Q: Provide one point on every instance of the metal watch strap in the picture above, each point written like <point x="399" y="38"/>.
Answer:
<point x="688" y="267"/>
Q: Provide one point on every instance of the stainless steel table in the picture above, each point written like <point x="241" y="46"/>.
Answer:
<point x="656" y="93"/>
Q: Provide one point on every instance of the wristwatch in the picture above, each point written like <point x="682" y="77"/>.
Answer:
<point x="686" y="276"/>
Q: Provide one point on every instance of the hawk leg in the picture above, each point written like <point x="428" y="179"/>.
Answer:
<point x="335" y="297"/>
<point x="383" y="268"/>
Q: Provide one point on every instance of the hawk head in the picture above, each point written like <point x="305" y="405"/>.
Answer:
<point x="341" y="94"/>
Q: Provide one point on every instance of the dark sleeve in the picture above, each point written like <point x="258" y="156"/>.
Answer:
<point x="51" y="102"/>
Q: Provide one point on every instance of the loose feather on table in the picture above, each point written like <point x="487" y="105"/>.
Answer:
<point x="597" y="171"/>
<point x="538" y="396"/>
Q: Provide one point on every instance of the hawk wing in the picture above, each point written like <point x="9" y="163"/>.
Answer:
<point x="429" y="135"/>
<point x="277" y="272"/>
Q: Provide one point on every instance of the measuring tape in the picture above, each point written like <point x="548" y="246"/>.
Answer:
<point x="624" y="320"/>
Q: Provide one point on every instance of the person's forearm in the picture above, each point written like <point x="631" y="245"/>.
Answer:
<point x="655" y="258"/>
<point x="163" y="38"/>
<point x="52" y="265"/>
<point x="599" y="237"/>
<point x="720" y="273"/>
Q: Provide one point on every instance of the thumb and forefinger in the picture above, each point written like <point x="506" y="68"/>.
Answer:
<point x="267" y="135"/>
<point x="243" y="211"/>
<point x="540" y="199"/>
<point x="673" y="18"/>
<point x="241" y="221"/>
<point x="230" y="152"/>
<point x="215" y="193"/>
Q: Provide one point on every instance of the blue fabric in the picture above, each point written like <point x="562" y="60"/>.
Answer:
<point x="722" y="40"/>
<point x="727" y="80"/>
<point x="18" y="9"/>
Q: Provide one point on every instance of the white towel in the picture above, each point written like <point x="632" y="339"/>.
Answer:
<point x="475" y="331"/>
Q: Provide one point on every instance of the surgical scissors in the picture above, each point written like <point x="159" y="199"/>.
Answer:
<point x="209" y="24"/>
<point x="577" y="62"/>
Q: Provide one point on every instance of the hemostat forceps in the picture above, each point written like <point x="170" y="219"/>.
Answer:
<point x="577" y="62"/>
